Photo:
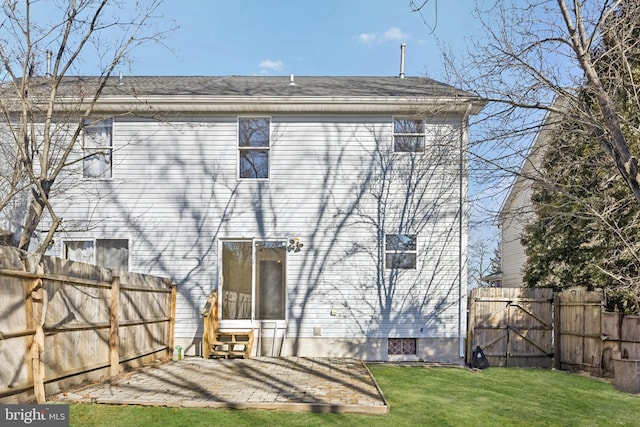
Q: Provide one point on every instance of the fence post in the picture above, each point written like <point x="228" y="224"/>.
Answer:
<point x="557" y="336"/>
<point x="38" y="297"/>
<point x="114" y="319"/>
<point x="172" y="322"/>
<point x="471" y="325"/>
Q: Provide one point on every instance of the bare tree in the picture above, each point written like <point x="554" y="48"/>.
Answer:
<point x="43" y="47"/>
<point x="482" y="263"/>
<point x="537" y="55"/>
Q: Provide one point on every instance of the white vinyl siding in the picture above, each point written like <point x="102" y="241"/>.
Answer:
<point x="512" y="226"/>
<point x="514" y="216"/>
<point x="176" y="193"/>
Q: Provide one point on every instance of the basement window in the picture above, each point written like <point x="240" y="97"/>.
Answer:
<point x="401" y="346"/>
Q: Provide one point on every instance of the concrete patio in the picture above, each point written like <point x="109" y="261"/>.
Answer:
<point x="290" y="384"/>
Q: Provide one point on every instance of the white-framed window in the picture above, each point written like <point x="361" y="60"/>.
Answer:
<point x="408" y="135"/>
<point x="401" y="251"/>
<point x="97" y="149"/>
<point x="254" y="141"/>
<point x="109" y="253"/>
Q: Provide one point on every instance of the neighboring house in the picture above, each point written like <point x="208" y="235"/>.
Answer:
<point x="331" y="211"/>
<point x="517" y="210"/>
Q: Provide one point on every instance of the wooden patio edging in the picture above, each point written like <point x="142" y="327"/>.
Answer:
<point x="569" y="330"/>
<point x="64" y="322"/>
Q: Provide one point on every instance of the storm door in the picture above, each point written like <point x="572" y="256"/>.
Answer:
<point x="253" y="281"/>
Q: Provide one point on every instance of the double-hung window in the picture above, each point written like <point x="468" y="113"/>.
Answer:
<point x="97" y="149"/>
<point x="408" y="135"/>
<point x="400" y="251"/>
<point x="254" y="135"/>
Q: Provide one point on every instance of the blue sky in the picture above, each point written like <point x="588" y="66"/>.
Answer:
<point x="302" y="37"/>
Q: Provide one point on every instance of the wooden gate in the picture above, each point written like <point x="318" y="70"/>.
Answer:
<point x="513" y="326"/>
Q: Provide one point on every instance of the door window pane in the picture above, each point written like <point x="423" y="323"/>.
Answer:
<point x="270" y="281"/>
<point x="236" y="280"/>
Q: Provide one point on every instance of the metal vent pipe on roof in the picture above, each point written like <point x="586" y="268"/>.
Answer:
<point x="402" y="47"/>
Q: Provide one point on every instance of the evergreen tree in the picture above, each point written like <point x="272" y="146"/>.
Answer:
<point x="496" y="261"/>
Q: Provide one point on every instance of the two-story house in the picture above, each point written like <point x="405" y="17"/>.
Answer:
<point x="330" y="212"/>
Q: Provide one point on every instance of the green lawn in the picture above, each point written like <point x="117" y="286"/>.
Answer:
<point x="423" y="396"/>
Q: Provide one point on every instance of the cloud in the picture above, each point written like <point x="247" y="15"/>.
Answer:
<point x="268" y="65"/>
<point x="392" y="34"/>
<point x="366" y="38"/>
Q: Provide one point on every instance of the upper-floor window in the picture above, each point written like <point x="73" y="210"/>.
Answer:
<point x="109" y="253"/>
<point x="408" y="135"/>
<point x="254" y="135"/>
<point x="400" y="251"/>
<point x="97" y="149"/>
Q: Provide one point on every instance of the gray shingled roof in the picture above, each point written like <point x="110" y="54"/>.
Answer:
<point x="274" y="86"/>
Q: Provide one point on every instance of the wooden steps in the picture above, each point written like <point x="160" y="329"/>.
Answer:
<point x="223" y="344"/>
<point x="231" y="344"/>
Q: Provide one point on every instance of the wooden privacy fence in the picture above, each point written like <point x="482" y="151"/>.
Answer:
<point x="63" y="322"/>
<point x="536" y="328"/>
<point x="589" y="338"/>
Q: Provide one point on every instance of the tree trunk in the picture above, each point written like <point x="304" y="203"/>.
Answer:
<point x="614" y="143"/>
<point x="32" y="219"/>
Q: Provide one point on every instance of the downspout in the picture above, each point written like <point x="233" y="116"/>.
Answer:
<point x="462" y="239"/>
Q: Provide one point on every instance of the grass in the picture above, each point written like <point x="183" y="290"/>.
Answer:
<point x="422" y="396"/>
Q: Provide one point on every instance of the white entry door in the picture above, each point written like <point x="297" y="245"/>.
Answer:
<point x="253" y="282"/>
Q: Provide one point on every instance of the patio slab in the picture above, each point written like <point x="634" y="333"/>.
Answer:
<point x="291" y="384"/>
